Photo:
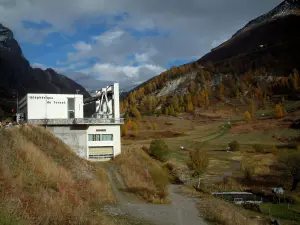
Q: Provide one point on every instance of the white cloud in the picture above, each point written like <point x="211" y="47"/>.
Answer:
<point x="192" y="28"/>
<point x="146" y="55"/>
<point x="108" y="38"/>
<point x="108" y="71"/>
<point x="82" y="46"/>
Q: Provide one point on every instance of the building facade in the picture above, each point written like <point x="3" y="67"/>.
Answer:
<point x="96" y="138"/>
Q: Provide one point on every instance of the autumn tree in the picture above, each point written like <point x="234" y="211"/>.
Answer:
<point x="135" y="129"/>
<point x="171" y="111"/>
<point x="148" y="125"/>
<point x="199" y="162"/>
<point x="154" y="126"/>
<point x="206" y="100"/>
<point x="192" y="87"/>
<point x="200" y="98"/>
<point x="129" y="124"/>
<point x="132" y="98"/>
<point x="295" y="79"/>
<point x="124" y="130"/>
<point x="252" y="107"/>
<point x="221" y="91"/>
<point x="175" y="103"/>
<point x="149" y="103"/>
<point x="136" y="113"/>
<point x="258" y="93"/>
<point x="247" y="116"/>
<point x="159" y="112"/>
<point x="187" y="98"/>
<point x="149" y="87"/>
<point x="166" y="111"/>
<point x="278" y="111"/>
<point x="181" y="101"/>
<point x="190" y="107"/>
<point x="195" y="100"/>
<point x="163" y="100"/>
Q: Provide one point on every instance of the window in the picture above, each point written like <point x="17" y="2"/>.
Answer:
<point x="71" y="108"/>
<point x="94" y="137"/>
<point x="107" y="137"/>
<point x="100" y="137"/>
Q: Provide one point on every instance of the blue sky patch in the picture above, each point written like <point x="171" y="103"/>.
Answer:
<point x="33" y="25"/>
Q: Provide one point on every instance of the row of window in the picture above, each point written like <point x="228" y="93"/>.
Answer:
<point x="100" y="137"/>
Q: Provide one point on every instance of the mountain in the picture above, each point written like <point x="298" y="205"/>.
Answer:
<point x="16" y="73"/>
<point x="255" y="63"/>
<point x="269" y="41"/>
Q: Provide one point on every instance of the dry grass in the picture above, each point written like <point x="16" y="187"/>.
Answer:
<point x="152" y="185"/>
<point x="224" y="213"/>
<point x="44" y="182"/>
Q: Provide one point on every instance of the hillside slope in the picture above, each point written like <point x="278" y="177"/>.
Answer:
<point x="43" y="182"/>
<point x="16" y="73"/>
<point x="269" y="41"/>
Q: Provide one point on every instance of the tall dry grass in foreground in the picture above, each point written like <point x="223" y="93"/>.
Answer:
<point x="143" y="175"/>
<point x="43" y="182"/>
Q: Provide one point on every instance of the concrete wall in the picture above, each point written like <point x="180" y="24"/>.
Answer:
<point x="75" y="138"/>
<point x="52" y="106"/>
<point x="109" y="129"/>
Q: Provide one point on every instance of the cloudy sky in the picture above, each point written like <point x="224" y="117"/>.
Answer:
<point x="129" y="41"/>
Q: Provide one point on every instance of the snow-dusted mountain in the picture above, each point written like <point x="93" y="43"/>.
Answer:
<point x="287" y="7"/>
<point x="270" y="41"/>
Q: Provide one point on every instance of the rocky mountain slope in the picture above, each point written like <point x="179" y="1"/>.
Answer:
<point x="16" y="73"/>
<point x="269" y="41"/>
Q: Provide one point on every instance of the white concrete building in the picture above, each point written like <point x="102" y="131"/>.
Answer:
<point x="96" y="138"/>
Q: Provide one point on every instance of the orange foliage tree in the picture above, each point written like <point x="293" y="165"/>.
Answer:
<point x="247" y="116"/>
<point x="278" y="111"/>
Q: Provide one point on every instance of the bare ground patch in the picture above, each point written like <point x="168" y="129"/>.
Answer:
<point x="244" y="127"/>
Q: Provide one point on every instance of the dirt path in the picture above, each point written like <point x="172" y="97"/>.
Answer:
<point x="181" y="211"/>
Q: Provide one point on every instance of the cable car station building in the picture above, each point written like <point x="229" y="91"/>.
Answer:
<point x="97" y="138"/>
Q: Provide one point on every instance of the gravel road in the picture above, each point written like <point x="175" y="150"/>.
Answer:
<point x="182" y="210"/>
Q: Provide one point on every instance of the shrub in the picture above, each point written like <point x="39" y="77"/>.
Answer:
<point x="259" y="148"/>
<point x="248" y="173"/>
<point x="234" y="146"/>
<point x="273" y="149"/>
<point x="252" y="206"/>
<point x="154" y="126"/>
<point x="148" y="125"/>
<point x="159" y="149"/>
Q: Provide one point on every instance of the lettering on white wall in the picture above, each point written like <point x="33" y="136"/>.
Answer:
<point x="60" y="102"/>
